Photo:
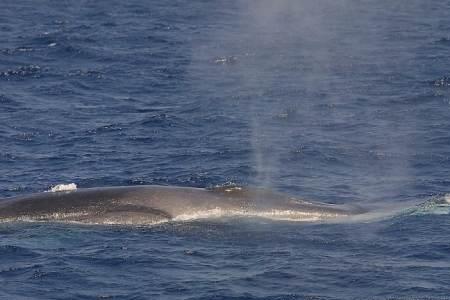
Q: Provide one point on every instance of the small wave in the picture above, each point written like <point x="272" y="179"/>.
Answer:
<point x="225" y="60"/>
<point x="86" y="73"/>
<point x="106" y="128"/>
<point x="13" y="51"/>
<point x="442" y="82"/>
<point x="435" y="206"/>
<point x="443" y="41"/>
<point x="63" y="187"/>
<point x="21" y="72"/>
<point x="4" y="100"/>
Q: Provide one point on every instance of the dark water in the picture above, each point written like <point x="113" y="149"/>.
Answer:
<point x="336" y="101"/>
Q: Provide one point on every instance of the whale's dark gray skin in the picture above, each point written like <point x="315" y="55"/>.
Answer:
<point x="152" y="204"/>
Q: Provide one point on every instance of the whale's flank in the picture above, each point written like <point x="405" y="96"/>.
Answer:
<point x="154" y="204"/>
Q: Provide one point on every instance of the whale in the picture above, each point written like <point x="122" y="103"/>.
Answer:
<point x="151" y="204"/>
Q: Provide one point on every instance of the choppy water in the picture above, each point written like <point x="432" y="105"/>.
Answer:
<point x="335" y="101"/>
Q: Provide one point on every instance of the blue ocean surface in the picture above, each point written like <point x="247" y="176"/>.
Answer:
<point x="344" y="102"/>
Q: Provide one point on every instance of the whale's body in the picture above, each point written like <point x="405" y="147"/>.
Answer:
<point x="152" y="204"/>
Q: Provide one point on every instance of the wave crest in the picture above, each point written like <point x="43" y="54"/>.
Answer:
<point x="63" y="188"/>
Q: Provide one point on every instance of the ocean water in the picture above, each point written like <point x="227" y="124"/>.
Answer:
<point x="332" y="101"/>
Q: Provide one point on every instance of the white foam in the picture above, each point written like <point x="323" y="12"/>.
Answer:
<point x="63" y="187"/>
<point x="82" y="218"/>
<point x="447" y="198"/>
<point x="274" y="214"/>
<point x="435" y="206"/>
<point x="45" y="218"/>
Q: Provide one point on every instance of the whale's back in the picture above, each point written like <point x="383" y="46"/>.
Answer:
<point x="151" y="204"/>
